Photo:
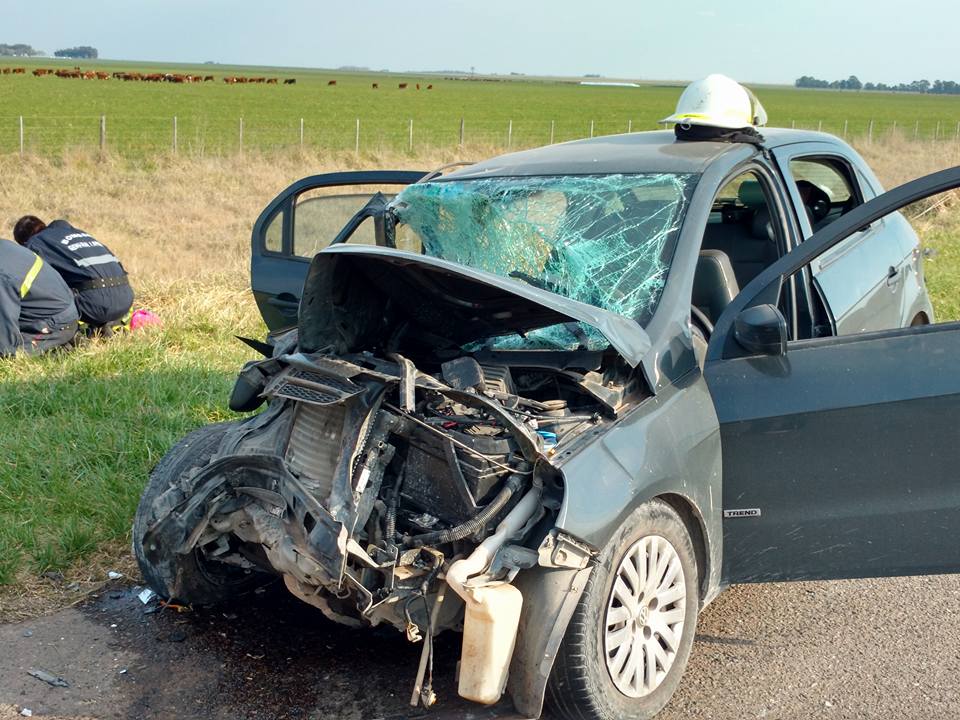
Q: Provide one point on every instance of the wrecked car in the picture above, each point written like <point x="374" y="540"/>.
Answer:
<point x="559" y="399"/>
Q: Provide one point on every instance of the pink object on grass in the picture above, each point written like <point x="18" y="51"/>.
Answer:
<point x="143" y="318"/>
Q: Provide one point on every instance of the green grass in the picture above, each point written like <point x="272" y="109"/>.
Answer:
<point x="61" y="113"/>
<point x="80" y="431"/>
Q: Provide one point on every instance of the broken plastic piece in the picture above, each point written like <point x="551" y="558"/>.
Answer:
<point x="48" y="677"/>
<point x="114" y="575"/>
<point x="26" y="712"/>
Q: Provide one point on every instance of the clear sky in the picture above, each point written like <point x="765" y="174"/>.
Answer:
<point x="768" y="41"/>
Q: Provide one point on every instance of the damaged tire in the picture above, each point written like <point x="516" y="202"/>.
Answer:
<point x="628" y="642"/>
<point x="187" y="578"/>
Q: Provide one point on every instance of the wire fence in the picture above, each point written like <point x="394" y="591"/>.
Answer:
<point x="139" y="136"/>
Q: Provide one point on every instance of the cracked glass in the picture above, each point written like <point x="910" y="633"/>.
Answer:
<point x="604" y="240"/>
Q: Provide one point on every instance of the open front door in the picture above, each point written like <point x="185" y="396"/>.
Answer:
<point x="841" y="455"/>
<point x="300" y="222"/>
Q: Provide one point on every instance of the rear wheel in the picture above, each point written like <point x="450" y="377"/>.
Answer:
<point x="189" y="578"/>
<point x="631" y="634"/>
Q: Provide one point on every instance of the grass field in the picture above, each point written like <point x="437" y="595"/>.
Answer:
<point x="63" y="113"/>
<point x="80" y="432"/>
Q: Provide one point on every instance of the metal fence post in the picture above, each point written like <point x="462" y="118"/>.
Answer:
<point x="301" y="133"/>
<point x="461" y="132"/>
<point x="509" y="133"/>
<point x="174" y="134"/>
<point x="21" y="136"/>
<point x="356" y="144"/>
<point x="103" y="133"/>
<point x="241" y="135"/>
<point x="553" y="122"/>
<point x="591" y="128"/>
<point x="410" y="143"/>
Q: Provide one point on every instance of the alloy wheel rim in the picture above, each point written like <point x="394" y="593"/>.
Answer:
<point x="643" y="624"/>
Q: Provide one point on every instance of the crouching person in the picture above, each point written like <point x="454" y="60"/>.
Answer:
<point x="37" y="312"/>
<point x="103" y="293"/>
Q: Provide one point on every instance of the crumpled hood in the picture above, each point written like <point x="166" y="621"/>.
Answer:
<point x="350" y="289"/>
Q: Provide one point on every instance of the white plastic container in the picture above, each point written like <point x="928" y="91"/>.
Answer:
<point x="489" y="634"/>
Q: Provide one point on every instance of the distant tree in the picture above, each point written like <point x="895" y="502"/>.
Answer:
<point x="853" y="83"/>
<point x="80" y="52"/>
<point x="869" y="86"/>
<point x="18" y="50"/>
<point x="937" y="87"/>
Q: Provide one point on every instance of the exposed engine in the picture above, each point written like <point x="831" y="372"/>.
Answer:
<point x="372" y="488"/>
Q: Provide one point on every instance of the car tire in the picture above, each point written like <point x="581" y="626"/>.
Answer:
<point x="186" y="578"/>
<point x="592" y="678"/>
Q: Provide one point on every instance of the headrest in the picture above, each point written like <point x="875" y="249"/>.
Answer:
<point x="751" y="194"/>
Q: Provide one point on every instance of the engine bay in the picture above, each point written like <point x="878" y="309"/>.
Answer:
<point x="373" y="487"/>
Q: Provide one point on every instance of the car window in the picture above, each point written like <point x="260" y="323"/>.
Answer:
<point x="320" y="213"/>
<point x="826" y="187"/>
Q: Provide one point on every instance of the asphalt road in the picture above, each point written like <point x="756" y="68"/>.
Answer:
<point x="866" y="649"/>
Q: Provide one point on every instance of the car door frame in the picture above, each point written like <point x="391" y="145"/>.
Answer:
<point x="284" y="302"/>
<point x="731" y="400"/>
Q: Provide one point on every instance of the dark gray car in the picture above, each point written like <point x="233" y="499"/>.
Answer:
<point x="529" y="401"/>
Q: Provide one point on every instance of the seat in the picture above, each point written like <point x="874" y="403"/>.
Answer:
<point x="714" y="283"/>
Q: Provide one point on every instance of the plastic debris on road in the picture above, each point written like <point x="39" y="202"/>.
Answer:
<point x="48" y="677"/>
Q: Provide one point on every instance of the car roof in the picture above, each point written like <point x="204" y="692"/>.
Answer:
<point x="654" y="151"/>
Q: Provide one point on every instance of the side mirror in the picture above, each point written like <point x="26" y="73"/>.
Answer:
<point x="761" y="329"/>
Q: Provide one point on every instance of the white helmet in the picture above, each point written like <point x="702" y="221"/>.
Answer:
<point x="718" y="101"/>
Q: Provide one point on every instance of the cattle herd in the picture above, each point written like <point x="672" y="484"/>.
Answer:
<point x="77" y="73"/>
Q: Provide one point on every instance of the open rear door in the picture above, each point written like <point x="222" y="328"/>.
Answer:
<point x="300" y="222"/>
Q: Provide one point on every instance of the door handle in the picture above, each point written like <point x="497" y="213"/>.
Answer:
<point x="893" y="276"/>
<point x="287" y="307"/>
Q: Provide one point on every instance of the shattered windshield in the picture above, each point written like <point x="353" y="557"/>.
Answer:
<point x="605" y="240"/>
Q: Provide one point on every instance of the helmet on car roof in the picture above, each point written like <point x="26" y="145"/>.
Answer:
<point x="718" y="101"/>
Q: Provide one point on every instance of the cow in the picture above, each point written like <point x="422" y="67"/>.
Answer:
<point x="19" y="71"/>
<point x="39" y="72"/>
<point x="429" y="87"/>
<point x="208" y="78"/>
<point x="271" y="81"/>
<point x="402" y="86"/>
<point x="5" y="71"/>
<point x="102" y="75"/>
<point x="376" y="86"/>
<point x="331" y="82"/>
<point x="290" y="81"/>
<point x="418" y="86"/>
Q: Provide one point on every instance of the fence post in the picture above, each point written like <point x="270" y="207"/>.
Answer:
<point x="241" y="136"/>
<point x="509" y="133"/>
<point x="174" y="134"/>
<point x="845" y="128"/>
<point x="870" y="132"/>
<point x="356" y="145"/>
<point x="21" y="136"/>
<point x="819" y="125"/>
<point x="629" y="126"/>
<point x="553" y="123"/>
<point x="936" y="133"/>
<point x="591" y="128"/>
<point x="893" y="130"/>
<point x="916" y="130"/>
<point x="103" y="133"/>
<point x="411" y="135"/>
<point x="461" y="132"/>
<point x="793" y="123"/>
<point x="301" y="133"/>
<point x="958" y="132"/>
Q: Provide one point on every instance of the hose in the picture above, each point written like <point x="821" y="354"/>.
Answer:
<point x="474" y="524"/>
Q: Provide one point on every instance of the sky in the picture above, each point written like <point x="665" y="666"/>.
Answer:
<point x="769" y="41"/>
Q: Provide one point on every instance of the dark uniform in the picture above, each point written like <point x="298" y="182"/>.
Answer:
<point x="37" y="312"/>
<point x="103" y="293"/>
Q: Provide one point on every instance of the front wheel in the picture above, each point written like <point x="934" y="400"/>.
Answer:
<point x="630" y="637"/>
<point x="189" y="577"/>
